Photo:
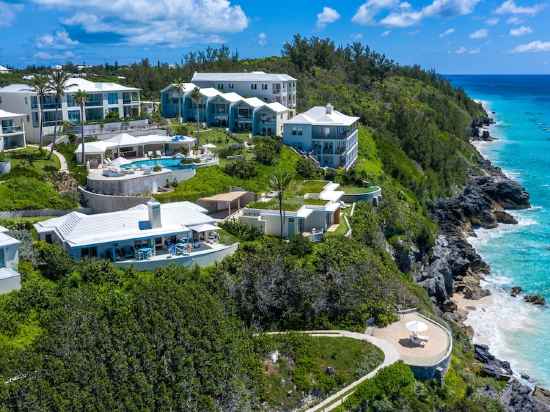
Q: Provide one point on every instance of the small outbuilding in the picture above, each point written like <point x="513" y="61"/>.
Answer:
<point x="228" y="202"/>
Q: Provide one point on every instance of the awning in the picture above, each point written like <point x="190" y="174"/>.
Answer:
<point x="203" y="228"/>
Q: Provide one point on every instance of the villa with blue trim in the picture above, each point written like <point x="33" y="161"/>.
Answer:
<point x="10" y="279"/>
<point x="145" y="237"/>
<point x="329" y="136"/>
<point x="230" y="110"/>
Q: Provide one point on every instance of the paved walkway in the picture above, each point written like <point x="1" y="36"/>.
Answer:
<point x="391" y="355"/>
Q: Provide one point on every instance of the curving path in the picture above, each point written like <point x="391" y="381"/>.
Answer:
<point x="391" y="355"/>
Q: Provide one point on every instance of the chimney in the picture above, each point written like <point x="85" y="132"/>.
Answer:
<point x="153" y="208"/>
<point x="330" y="108"/>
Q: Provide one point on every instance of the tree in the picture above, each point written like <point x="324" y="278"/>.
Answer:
<point x="40" y="86"/>
<point x="280" y="182"/>
<point x="58" y="83"/>
<point x="179" y="85"/>
<point x="196" y="97"/>
<point x="80" y="97"/>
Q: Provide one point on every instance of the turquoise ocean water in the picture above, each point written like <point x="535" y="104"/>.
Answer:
<point x="519" y="255"/>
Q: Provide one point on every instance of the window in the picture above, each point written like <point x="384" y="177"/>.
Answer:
<point x="220" y="86"/>
<point x="112" y="98"/>
<point x="276" y="88"/>
<point x="93" y="115"/>
<point x="264" y="86"/>
<point x="74" y="116"/>
<point x="26" y="101"/>
<point x="231" y="85"/>
<point x="254" y="86"/>
<point x="49" y="118"/>
<point x="297" y="131"/>
<point x="94" y="100"/>
<point x="71" y="102"/>
<point x="88" y="252"/>
<point x="34" y="102"/>
<point x="2" y="259"/>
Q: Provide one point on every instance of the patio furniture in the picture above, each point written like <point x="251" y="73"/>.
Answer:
<point x="158" y="153"/>
<point x="144" y="253"/>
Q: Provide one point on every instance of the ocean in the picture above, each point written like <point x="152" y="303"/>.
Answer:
<point x="519" y="255"/>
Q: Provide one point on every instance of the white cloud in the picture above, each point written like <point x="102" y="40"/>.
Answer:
<point x="493" y="21"/>
<point x="464" y="50"/>
<point x="327" y="16"/>
<point x="42" y="55"/>
<point x="510" y="7"/>
<point x="357" y="36"/>
<point x="443" y="8"/>
<point x="521" y="31"/>
<point x="262" y="39"/>
<point x="59" y="40"/>
<point x="479" y="34"/>
<point x="386" y="33"/>
<point x="150" y="22"/>
<point x="8" y="12"/>
<point x="514" y="20"/>
<point x="369" y="10"/>
<point x="447" y="32"/>
<point x="536" y="46"/>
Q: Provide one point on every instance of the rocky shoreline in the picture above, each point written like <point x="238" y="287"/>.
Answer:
<point x="455" y="266"/>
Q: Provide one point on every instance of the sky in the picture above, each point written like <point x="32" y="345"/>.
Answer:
<point x="450" y="36"/>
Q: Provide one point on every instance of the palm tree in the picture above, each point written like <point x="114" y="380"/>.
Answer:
<point x="80" y="98"/>
<point x="40" y="86"/>
<point x="180" y="87"/>
<point x="196" y="97"/>
<point x="58" y="83"/>
<point x="279" y="182"/>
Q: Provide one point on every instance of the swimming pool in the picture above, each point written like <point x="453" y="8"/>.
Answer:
<point x="168" y="163"/>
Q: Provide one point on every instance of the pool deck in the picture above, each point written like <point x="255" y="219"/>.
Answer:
<point x="433" y="352"/>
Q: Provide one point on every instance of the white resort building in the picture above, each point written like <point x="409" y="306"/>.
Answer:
<point x="145" y="237"/>
<point x="225" y="109"/>
<point x="12" y="130"/>
<point x="268" y="87"/>
<point x="329" y="136"/>
<point x="311" y="216"/>
<point x="10" y="279"/>
<point x="105" y="101"/>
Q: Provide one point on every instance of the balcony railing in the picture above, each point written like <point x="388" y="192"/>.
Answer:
<point x="12" y="129"/>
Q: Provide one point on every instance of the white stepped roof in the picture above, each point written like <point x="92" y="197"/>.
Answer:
<point x="231" y="97"/>
<point x="254" y="102"/>
<point x="6" y="240"/>
<point x="210" y="92"/>
<point x="75" y="83"/>
<point x="256" y="76"/>
<point x="186" y="87"/>
<point x="4" y="69"/>
<point x="8" y="115"/>
<point x="78" y="229"/>
<point x="319" y="115"/>
<point x="277" y="107"/>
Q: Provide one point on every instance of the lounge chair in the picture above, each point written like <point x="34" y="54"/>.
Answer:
<point x="150" y="155"/>
<point x="158" y="153"/>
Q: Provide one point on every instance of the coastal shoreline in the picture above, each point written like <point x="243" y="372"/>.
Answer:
<point x="455" y="275"/>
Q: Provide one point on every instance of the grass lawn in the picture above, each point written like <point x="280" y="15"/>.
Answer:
<point x="359" y="190"/>
<point x="313" y="365"/>
<point x="309" y="186"/>
<point x="29" y="184"/>
<point x="211" y="180"/>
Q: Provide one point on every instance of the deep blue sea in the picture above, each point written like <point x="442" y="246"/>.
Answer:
<point x="519" y="255"/>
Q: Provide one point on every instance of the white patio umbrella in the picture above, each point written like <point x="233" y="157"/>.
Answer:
<point x="416" y="326"/>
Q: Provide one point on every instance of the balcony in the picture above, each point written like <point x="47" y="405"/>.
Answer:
<point x="334" y="133"/>
<point x="12" y="129"/>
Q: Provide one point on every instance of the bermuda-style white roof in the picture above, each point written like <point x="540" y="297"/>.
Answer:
<point x="127" y="140"/>
<point x="8" y="115"/>
<point x="75" y="83"/>
<point x="209" y="92"/>
<point x="231" y="97"/>
<point x="186" y="87"/>
<point x="277" y="107"/>
<point x="4" y="69"/>
<point x="321" y="116"/>
<point x="257" y="76"/>
<point x="6" y="240"/>
<point x="254" y="102"/>
<point x="77" y="229"/>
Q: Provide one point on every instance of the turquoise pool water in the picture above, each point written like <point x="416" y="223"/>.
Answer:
<point x="519" y="255"/>
<point x="174" y="164"/>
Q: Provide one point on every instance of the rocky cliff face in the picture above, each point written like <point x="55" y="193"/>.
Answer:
<point x="454" y="265"/>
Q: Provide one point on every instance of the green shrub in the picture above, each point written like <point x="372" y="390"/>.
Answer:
<point x="53" y="261"/>
<point x="308" y="169"/>
<point x="243" y="169"/>
<point x="241" y="230"/>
